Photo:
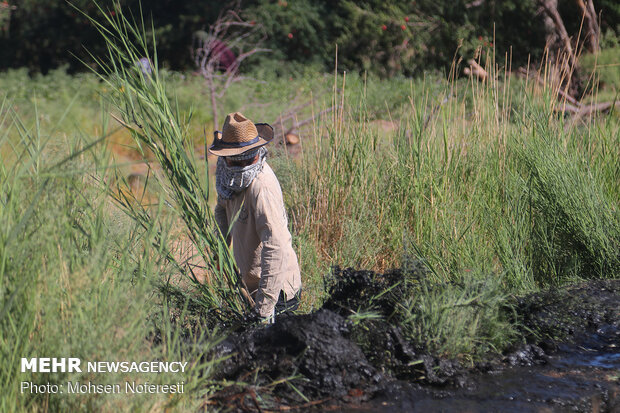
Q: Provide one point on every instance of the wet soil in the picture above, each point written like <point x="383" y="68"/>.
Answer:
<point x="580" y="377"/>
<point x="569" y="359"/>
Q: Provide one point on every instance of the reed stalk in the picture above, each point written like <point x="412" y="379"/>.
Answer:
<point x="148" y="113"/>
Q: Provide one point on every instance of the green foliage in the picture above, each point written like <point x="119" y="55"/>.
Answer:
<point x="44" y="35"/>
<point x="470" y="317"/>
<point x="602" y="70"/>
<point x="295" y="29"/>
<point x="398" y="37"/>
<point x="490" y="198"/>
<point x="382" y="37"/>
<point x="375" y="37"/>
<point x="561" y="222"/>
<point x="498" y="193"/>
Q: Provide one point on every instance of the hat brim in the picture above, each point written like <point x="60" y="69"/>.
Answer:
<point x="265" y="135"/>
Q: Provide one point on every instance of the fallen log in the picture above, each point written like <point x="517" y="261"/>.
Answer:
<point x="541" y="82"/>
<point x="476" y="70"/>
<point x="571" y="105"/>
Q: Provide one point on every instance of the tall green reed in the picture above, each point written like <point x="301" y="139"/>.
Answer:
<point x="492" y="201"/>
<point x="575" y="230"/>
<point x="155" y="124"/>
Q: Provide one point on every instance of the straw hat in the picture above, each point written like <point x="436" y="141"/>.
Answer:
<point x="238" y="135"/>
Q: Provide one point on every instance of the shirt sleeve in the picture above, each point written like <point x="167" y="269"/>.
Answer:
<point x="271" y="227"/>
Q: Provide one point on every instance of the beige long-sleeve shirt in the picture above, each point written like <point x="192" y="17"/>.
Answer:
<point x="262" y="243"/>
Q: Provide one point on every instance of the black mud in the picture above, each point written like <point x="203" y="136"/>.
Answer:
<point x="570" y="359"/>
<point x="314" y="346"/>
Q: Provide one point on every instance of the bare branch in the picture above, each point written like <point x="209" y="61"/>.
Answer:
<point x="219" y="52"/>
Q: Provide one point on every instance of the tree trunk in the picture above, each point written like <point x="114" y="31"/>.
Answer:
<point x="212" y="93"/>
<point x="551" y="8"/>
<point x="560" y="47"/>
<point x="591" y="25"/>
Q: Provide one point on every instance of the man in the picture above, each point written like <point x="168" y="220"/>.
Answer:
<point x="248" y="189"/>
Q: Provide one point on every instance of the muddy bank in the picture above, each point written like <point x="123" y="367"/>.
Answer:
<point x="580" y="375"/>
<point x="569" y="359"/>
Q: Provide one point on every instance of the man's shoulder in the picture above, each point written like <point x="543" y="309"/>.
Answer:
<point x="265" y="181"/>
<point x="266" y="178"/>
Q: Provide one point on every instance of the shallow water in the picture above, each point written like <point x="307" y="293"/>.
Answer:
<point x="581" y="377"/>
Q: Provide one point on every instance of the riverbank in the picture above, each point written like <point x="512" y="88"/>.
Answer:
<point x="567" y="357"/>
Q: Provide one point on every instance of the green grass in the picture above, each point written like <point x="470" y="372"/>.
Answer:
<point x="497" y="197"/>
<point x="601" y="72"/>
<point x="77" y="279"/>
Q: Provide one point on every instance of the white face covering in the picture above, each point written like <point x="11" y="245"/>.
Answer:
<point x="230" y="180"/>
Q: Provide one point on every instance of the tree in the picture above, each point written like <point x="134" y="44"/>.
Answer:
<point x="219" y="52"/>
